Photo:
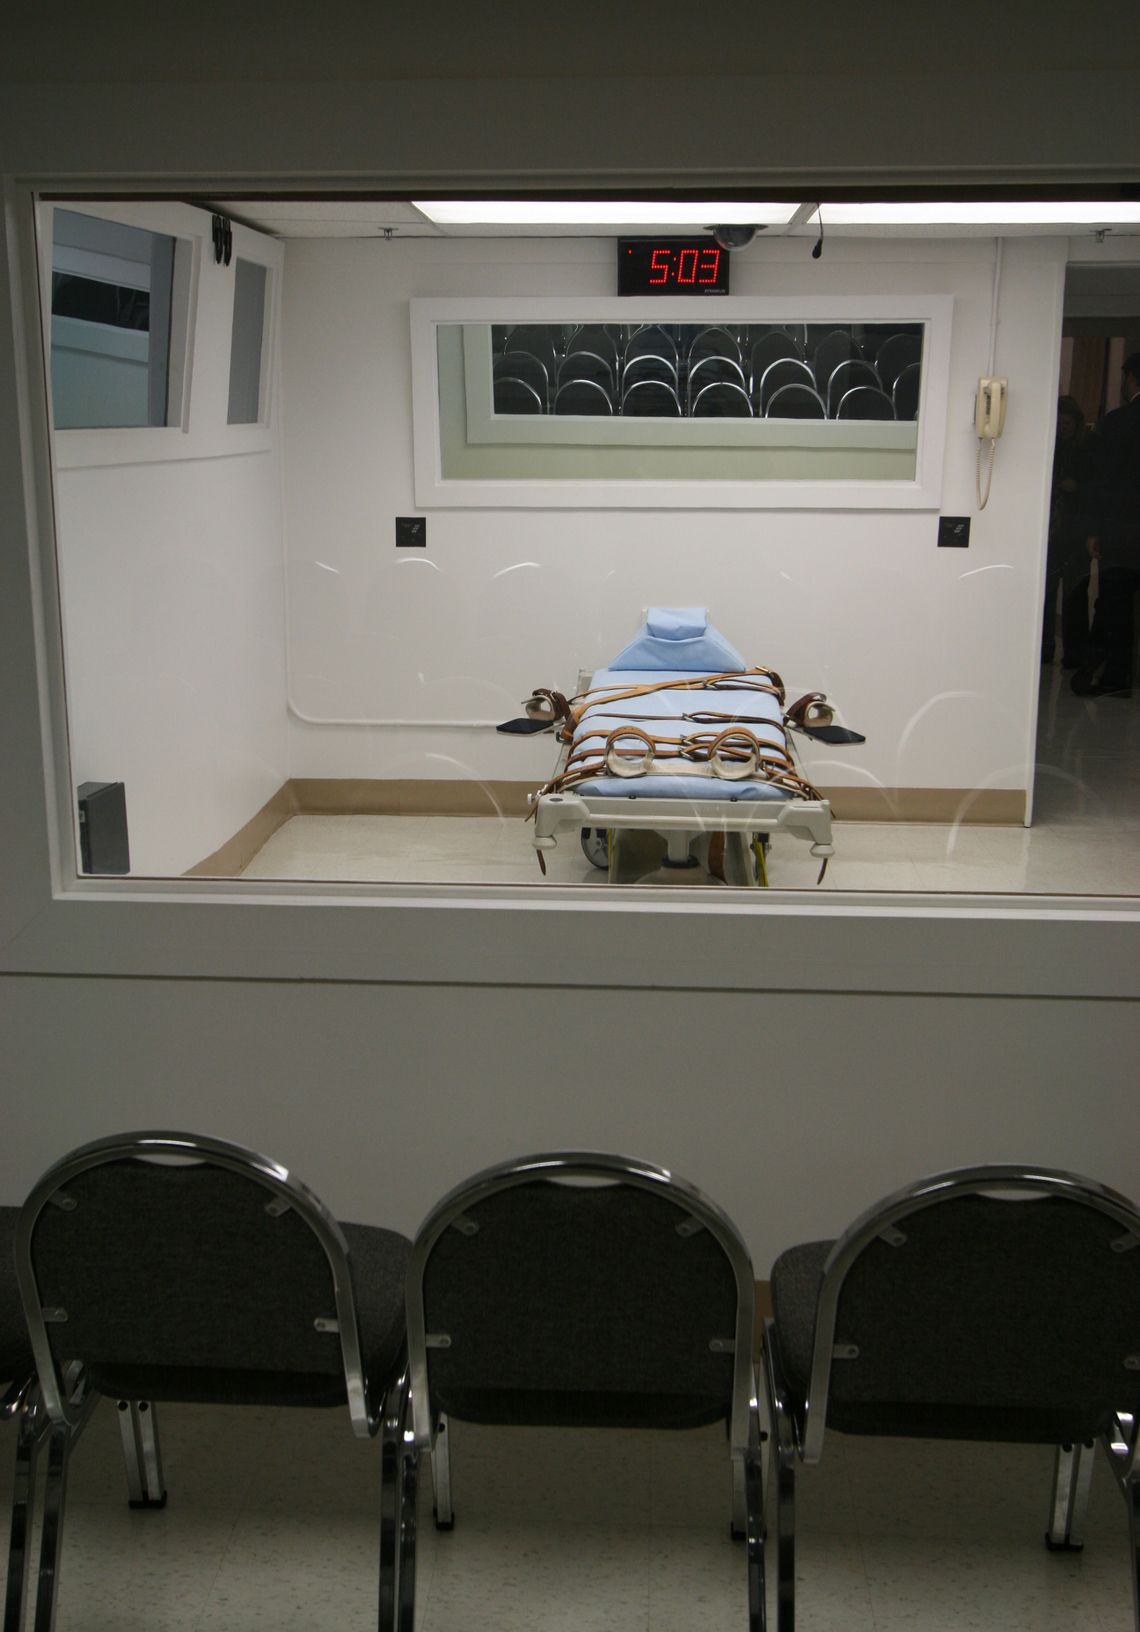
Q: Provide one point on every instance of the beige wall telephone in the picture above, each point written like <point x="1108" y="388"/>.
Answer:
<point x="989" y="421"/>
<point x="989" y="415"/>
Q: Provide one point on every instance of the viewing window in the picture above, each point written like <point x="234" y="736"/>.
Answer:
<point x="111" y="309"/>
<point x="247" y="343"/>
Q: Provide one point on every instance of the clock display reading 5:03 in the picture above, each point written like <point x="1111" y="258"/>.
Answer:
<point x="671" y="266"/>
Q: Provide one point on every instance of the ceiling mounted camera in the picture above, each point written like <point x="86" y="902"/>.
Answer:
<point x="733" y="237"/>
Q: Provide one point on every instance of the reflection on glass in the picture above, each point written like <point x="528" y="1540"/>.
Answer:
<point x="110" y="331"/>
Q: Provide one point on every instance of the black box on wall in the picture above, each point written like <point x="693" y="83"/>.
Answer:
<point x="103" y="845"/>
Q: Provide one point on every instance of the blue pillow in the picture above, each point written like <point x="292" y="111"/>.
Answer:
<point x="679" y="637"/>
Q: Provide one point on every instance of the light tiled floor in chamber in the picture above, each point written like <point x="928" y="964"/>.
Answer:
<point x="272" y="1524"/>
<point x="1085" y="837"/>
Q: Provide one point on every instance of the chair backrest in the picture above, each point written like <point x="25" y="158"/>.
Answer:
<point x="653" y="399"/>
<point x="713" y="367"/>
<point x="838" y="346"/>
<point x="596" y="337"/>
<point x="580" y="1288"/>
<point x="772" y="348"/>
<point x="864" y="402"/>
<point x="904" y="393"/>
<point x="988" y="1303"/>
<point x="897" y="352"/>
<point x="653" y="339"/>
<point x="538" y="340"/>
<point x="515" y="396"/>
<point x="169" y="1265"/>
<point x="713" y="342"/>
<point x="796" y="402"/>
<point x="722" y="399"/>
<point x="587" y="365"/>
<point x="523" y="365"/>
<point x="845" y="377"/>
<point x="786" y="371"/>
<point x="648" y="365"/>
<point x="582" y="397"/>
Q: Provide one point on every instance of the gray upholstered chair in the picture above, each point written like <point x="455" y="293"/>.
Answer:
<point x="168" y="1266"/>
<point x="991" y="1304"/>
<point x="587" y="1290"/>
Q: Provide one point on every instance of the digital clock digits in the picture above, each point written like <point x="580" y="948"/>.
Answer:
<point x="672" y="266"/>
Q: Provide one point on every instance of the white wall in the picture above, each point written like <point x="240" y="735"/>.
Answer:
<point x="172" y="603"/>
<point x="172" y="596"/>
<point x="932" y="653"/>
<point x="795" y="1111"/>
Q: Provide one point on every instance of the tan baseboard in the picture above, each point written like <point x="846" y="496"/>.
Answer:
<point x="393" y="796"/>
<point x="235" y="855"/>
<point x="343" y="796"/>
<point x="994" y="807"/>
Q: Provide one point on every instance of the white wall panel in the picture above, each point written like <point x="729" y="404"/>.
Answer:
<point x="794" y="1110"/>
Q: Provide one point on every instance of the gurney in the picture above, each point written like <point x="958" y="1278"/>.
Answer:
<point x="676" y="761"/>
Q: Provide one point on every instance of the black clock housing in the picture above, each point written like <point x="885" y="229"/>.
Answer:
<point x="672" y="266"/>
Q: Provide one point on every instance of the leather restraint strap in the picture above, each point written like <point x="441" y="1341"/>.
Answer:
<point x="811" y="709"/>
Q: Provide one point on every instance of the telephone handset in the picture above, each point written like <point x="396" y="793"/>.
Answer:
<point x="989" y="415"/>
<point x="989" y="421"/>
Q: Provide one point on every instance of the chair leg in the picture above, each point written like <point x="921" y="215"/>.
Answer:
<point x="32" y="1424"/>
<point x="785" y="1455"/>
<point x="1072" y="1472"/>
<point x="754" y="1492"/>
<point x="407" y="1565"/>
<point x="61" y="1439"/>
<point x="1132" y="1497"/>
<point x="785" y="1525"/>
<point x="391" y="1445"/>
<point x="441" y="1476"/>
<point x="138" y="1429"/>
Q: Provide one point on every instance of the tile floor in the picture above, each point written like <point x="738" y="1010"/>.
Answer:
<point x="271" y="1523"/>
<point x="1085" y="837"/>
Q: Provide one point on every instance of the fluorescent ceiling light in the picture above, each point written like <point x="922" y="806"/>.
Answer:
<point x="1101" y="214"/>
<point x="600" y="212"/>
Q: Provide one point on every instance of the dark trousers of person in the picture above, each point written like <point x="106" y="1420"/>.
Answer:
<point x="1113" y="626"/>
<point x="1074" y="585"/>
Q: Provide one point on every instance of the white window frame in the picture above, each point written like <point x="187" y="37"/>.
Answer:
<point x="923" y="493"/>
<point x="201" y="307"/>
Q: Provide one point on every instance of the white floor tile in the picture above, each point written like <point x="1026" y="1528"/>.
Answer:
<point x="558" y="1529"/>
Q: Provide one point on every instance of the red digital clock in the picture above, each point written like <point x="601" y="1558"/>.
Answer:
<point x="671" y="266"/>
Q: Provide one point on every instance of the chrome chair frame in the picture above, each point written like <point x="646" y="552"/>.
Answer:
<point x="64" y="1400"/>
<point x="803" y="1434"/>
<point x="746" y="1441"/>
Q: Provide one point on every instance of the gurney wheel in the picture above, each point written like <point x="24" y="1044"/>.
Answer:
<point x="596" y="846"/>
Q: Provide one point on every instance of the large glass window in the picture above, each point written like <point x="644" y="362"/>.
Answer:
<point x="330" y="644"/>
